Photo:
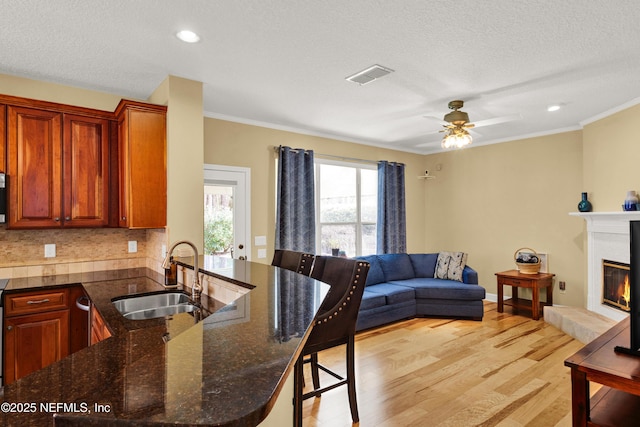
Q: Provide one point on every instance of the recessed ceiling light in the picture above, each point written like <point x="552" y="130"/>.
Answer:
<point x="554" y="107"/>
<point x="188" y="36"/>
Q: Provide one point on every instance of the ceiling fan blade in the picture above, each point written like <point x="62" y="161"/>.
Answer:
<point x="437" y="119"/>
<point x="498" y="120"/>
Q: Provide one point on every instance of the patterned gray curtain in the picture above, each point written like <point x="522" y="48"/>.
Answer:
<point x="295" y="217"/>
<point x="392" y="222"/>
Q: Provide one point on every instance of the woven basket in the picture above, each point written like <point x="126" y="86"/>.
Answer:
<point x="525" y="267"/>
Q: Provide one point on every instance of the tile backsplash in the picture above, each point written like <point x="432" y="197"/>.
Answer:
<point x="77" y="250"/>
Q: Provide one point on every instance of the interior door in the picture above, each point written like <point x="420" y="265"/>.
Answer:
<point x="227" y="218"/>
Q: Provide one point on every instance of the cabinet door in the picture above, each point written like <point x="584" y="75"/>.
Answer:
<point x="85" y="171"/>
<point x="143" y="165"/>
<point x="3" y="138"/>
<point x="34" y="166"/>
<point x="99" y="330"/>
<point x="34" y="341"/>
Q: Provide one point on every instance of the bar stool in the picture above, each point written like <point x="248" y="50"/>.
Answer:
<point x="300" y="262"/>
<point x="334" y="325"/>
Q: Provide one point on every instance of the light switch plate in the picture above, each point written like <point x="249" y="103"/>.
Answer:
<point x="50" y="250"/>
<point x="262" y="253"/>
<point x="133" y="246"/>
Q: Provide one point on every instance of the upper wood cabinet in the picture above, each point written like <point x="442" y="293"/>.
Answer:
<point x="142" y="148"/>
<point x="85" y="171"/>
<point x="71" y="166"/>
<point x="59" y="167"/>
<point x="34" y="152"/>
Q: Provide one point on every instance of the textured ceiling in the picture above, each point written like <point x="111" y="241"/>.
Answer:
<point x="283" y="63"/>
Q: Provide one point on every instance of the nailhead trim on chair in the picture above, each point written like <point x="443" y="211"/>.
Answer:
<point x="348" y="298"/>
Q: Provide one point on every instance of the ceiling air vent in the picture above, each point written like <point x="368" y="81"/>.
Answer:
<point x="370" y="74"/>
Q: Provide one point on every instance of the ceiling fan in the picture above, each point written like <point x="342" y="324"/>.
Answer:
<point x="456" y="125"/>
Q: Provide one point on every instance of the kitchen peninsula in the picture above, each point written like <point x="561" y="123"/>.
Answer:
<point x="223" y="365"/>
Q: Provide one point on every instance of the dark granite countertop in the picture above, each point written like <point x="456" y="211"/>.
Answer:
<point x="224" y="370"/>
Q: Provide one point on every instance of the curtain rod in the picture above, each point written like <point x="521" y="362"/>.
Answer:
<point x="330" y="156"/>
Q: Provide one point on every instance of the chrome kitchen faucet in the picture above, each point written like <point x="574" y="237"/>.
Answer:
<point x="196" y="288"/>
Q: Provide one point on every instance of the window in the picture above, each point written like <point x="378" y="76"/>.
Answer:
<point x="346" y="208"/>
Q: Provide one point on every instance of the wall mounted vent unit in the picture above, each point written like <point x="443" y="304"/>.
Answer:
<point x="370" y="74"/>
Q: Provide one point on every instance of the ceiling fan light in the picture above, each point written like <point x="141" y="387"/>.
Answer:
<point x="456" y="138"/>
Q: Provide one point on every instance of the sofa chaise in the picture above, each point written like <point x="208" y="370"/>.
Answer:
<point x="401" y="286"/>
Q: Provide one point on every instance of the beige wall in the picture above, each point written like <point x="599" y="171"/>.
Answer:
<point x="185" y="214"/>
<point x="236" y="144"/>
<point x="490" y="200"/>
<point x="611" y="154"/>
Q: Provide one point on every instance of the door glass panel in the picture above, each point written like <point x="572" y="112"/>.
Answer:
<point x="218" y="220"/>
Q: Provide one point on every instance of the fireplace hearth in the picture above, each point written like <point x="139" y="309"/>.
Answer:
<point x="615" y="285"/>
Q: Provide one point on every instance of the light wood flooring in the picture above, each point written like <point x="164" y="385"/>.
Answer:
<point x="506" y="370"/>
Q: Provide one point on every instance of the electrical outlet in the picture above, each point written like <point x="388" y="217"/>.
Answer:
<point x="50" y="250"/>
<point x="262" y="253"/>
<point x="563" y="286"/>
<point x="164" y="251"/>
<point x="133" y="246"/>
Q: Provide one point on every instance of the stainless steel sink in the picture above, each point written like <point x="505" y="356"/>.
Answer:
<point x="151" y="306"/>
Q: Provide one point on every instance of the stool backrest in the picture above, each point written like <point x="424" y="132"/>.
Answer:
<point x="300" y="262"/>
<point x="337" y="316"/>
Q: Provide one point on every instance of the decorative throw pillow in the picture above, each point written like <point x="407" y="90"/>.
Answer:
<point x="450" y="265"/>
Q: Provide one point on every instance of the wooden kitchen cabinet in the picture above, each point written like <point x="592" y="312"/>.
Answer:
<point x="142" y="147"/>
<point x="34" y="154"/>
<point x="99" y="330"/>
<point x="3" y="138"/>
<point x="85" y="171"/>
<point x="36" y="331"/>
<point x="59" y="167"/>
<point x="70" y="166"/>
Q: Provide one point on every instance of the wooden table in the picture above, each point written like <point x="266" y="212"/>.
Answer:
<point x="516" y="280"/>
<point x="617" y="403"/>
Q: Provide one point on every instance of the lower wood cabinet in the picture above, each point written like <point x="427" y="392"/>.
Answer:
<point x="40" y="328"/>
<point x="36" y="331"/>
<point x="99" y="330"/>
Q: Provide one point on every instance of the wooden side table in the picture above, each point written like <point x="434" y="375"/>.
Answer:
<point x="516" y="280"/>
<point x="617" y="402"/>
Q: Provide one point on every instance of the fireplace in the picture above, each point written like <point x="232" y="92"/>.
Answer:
<point x="607" y="239"/>
<point x="615" y="284"/>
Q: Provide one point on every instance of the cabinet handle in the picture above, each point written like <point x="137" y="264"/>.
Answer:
<point x="38" y="302"/>
<point x="56" y="219"/>
<point x="67" y="218"/>
<point x="124" y="218"/>
<point x="9" y="328"/>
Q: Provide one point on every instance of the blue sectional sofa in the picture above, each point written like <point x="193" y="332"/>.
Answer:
<point x="401" y="286"/>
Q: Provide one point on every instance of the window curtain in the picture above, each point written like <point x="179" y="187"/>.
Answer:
<point x="392" y="222"/>
<point x="295" y="216"/>
<point x="295" y="305"/>
<point x="296" y="231"/>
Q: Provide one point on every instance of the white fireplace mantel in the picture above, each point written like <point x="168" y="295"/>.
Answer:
<point x="607" y="238"/>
